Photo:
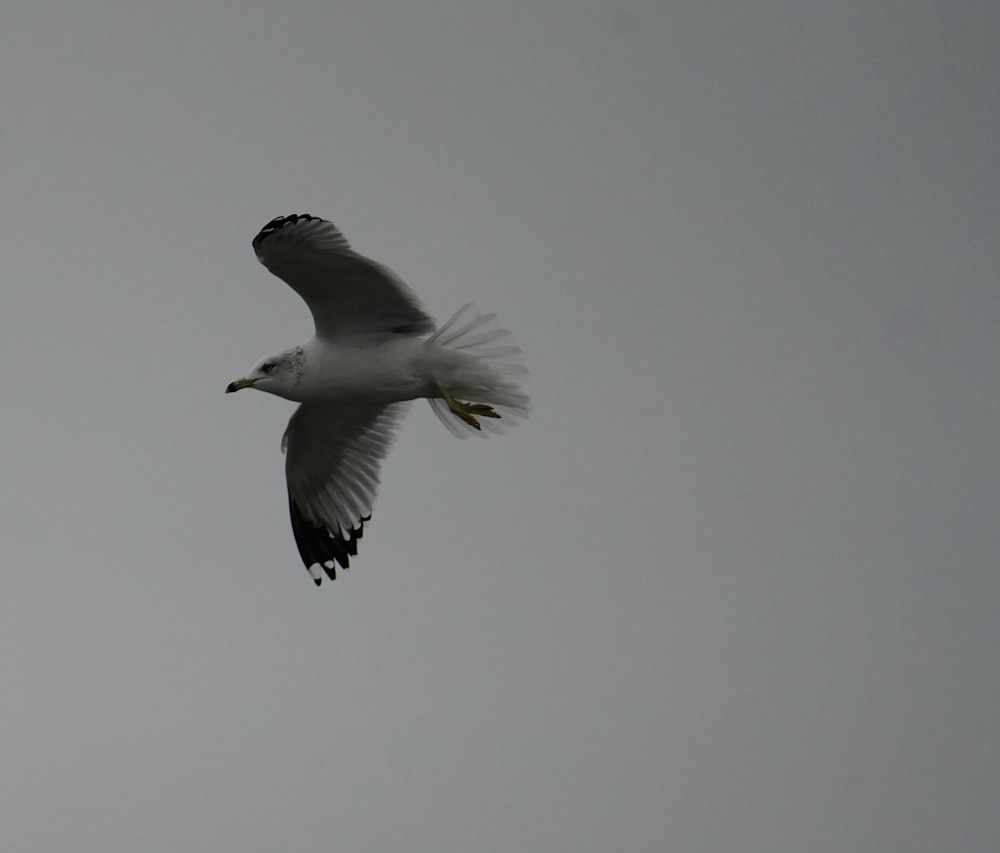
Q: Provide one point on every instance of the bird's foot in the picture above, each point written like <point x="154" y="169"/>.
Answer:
<point x="468" y="411"/>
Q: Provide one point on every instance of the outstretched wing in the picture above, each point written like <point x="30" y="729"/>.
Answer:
<point x="333" y="456"/>
<point x="349" y="295"/>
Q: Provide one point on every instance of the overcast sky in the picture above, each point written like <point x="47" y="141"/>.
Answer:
<point x="734" y="587"/>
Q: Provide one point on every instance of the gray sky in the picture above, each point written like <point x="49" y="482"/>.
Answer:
<point x="735" y="585"/>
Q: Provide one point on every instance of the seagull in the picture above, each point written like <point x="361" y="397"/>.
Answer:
<point x="375" y="348"/>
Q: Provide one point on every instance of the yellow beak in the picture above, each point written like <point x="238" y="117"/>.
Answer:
<point x="239" y="383"/>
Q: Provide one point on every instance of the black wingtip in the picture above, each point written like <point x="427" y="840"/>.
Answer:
<point x="277" y="224"/>
<point x="316" y="545"/>
<point x="318" y="581"/>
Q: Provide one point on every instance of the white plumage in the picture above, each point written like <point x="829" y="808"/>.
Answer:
<point x="375" y="348"/>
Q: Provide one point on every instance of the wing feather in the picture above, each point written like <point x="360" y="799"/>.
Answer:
<point x="349" y="295"/>
<point x="333" y="456"/>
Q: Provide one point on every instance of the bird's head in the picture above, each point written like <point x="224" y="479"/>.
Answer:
<point x="276" y="374"/>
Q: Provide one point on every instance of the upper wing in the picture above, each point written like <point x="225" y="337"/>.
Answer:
<point x="334" y="452"/>
<point x="349" y="295"/>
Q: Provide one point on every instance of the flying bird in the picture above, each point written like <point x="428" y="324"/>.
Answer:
<point x="375" y="348"/>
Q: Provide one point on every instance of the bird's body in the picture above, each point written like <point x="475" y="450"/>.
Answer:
<point x="375" y="349"/>
<point x="390" y="371"/>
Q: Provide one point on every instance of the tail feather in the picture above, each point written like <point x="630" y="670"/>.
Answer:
<point x="458" y="324"/>
<point x="497" y="371"/>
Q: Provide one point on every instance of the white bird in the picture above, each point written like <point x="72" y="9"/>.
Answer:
<point x="374" y="349"/>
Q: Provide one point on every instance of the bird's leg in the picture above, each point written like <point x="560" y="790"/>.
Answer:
<point x="468" y="411"/>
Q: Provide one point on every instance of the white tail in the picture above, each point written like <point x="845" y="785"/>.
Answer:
<point x="491" y="377"/>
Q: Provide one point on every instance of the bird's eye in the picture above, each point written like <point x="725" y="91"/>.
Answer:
<point x="267" y="367"/>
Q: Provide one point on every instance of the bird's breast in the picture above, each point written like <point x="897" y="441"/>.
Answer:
<point x="388" y="372"/>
